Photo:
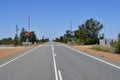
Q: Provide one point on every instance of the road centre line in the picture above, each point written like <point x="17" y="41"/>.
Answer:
<point x="55" y="55"/>
<point x="60" y="76"/>
<point x="92" y="57"/>
<point x="20" y="56"/>
<point x="54" y="62"/>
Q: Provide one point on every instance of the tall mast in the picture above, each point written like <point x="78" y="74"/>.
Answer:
<point x="29" y="24"/>
<point x="71" y="25"/>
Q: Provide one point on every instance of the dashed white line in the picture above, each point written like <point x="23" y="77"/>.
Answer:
<point x="55" y="55"/>
<point x="54" y="62"/>
<point x="60" y="76"/>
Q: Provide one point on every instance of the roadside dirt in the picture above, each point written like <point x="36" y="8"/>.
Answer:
<point x="107" y="55"/>
<point x="8" y="52"/>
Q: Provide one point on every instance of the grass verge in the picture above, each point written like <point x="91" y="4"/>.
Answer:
<point x="103" y="48"/>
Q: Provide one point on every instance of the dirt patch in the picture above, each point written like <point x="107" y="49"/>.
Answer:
<point x="110" y="56"/>
<point x="10" y="51"/>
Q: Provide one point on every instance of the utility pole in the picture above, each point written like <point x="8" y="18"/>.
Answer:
<point x="71" y="32"/>
<point x="17" y="29"/>
<point x="71" y="26"/>
<point x="27" y="34"/>
<point x="104" y="33"/>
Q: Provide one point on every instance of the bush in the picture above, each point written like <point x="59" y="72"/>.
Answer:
<point x="89" y="41"/>
<point x="117" y="46"/>
<point x="6" y="41"/>
<point x="16" y="40"/>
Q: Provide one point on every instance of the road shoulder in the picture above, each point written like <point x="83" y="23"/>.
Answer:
<point x="105" y="55"/>
<point x="9" y="53"/>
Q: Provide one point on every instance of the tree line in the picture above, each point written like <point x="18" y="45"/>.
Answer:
<point x="6" y="41"/>
<point x="20" y="38"/>
<point x="87" y="33"/>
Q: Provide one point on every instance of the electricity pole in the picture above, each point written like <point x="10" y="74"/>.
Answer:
<point x="71" y="25"/>
<point x="71" y="32"/>
<point x="17" y="29"/>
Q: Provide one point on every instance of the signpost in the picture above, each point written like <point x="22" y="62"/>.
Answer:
<point x="27" y="37"/>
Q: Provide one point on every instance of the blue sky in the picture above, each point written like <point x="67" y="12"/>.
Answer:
<point x="51" y="18"/>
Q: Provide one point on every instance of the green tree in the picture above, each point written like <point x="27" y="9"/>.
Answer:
<point x="6" y="41"/>
<point x="57" y="40"/>
<point x="16" y="40"/>
<point x="67" y="36"/>
<point x="119" y="36"/>
<point x="116" y="45"/>
<point x="33" y="37"/>
<point x="61" y="38"/>
<point x="80" y="35"/>
<point x="88" y="32"/>
<point x="47" y="39"/>
<point x="22" y="37"/>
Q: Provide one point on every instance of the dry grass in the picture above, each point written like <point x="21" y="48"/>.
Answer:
<point x="107" y="55"/>
<point x="5" y="53"/>
<point x="103" y="48"/>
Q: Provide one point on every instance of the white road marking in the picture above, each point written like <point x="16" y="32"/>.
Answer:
<point x="60" y="76"/>
<point x="20" y="56"/>
<point x="55" y="55"/>
<point x="93" y="57"/>
<point x="54" y="62"/>
<point x="46" y="46"/>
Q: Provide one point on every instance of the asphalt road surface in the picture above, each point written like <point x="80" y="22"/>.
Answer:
<point x="53" y="61"/>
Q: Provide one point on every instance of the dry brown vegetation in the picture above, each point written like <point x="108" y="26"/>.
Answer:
<point x="8" y="52"/>
<point x="108" y="55"/>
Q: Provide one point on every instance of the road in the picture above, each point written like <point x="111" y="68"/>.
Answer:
<point x="53" y="61"/>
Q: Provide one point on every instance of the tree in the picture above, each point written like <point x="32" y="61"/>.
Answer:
<point x="61" y="38"/>
<point x="43" y="39"/>
<point x="6" y="41"/>
<point x="116" y="45"/>
<point x="32" y="37"/>
<point x="119" y="36"/>
<point x="22" y="37"/>
<point x="16" y="40"/>
<point x="47" y="39"/>
<point x="67" y="36"/>
<point x="80" y="35"/>
<point x="88" y="32"/>
<point x="57" y="40"/>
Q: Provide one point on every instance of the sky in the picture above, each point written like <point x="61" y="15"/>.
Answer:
<point x="51" y="18"/>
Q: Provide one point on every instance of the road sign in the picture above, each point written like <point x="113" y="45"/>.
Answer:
<point x="27" y="34"/>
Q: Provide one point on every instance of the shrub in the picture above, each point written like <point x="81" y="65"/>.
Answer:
<point x="117" y="46"/>
<point x="89" y="41"/>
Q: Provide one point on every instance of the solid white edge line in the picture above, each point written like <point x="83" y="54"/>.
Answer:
<point x="60" y="76"/>
<point x="20" y="56"/>
<point x="54" y="62"/>
<point x="93" y="57"/>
